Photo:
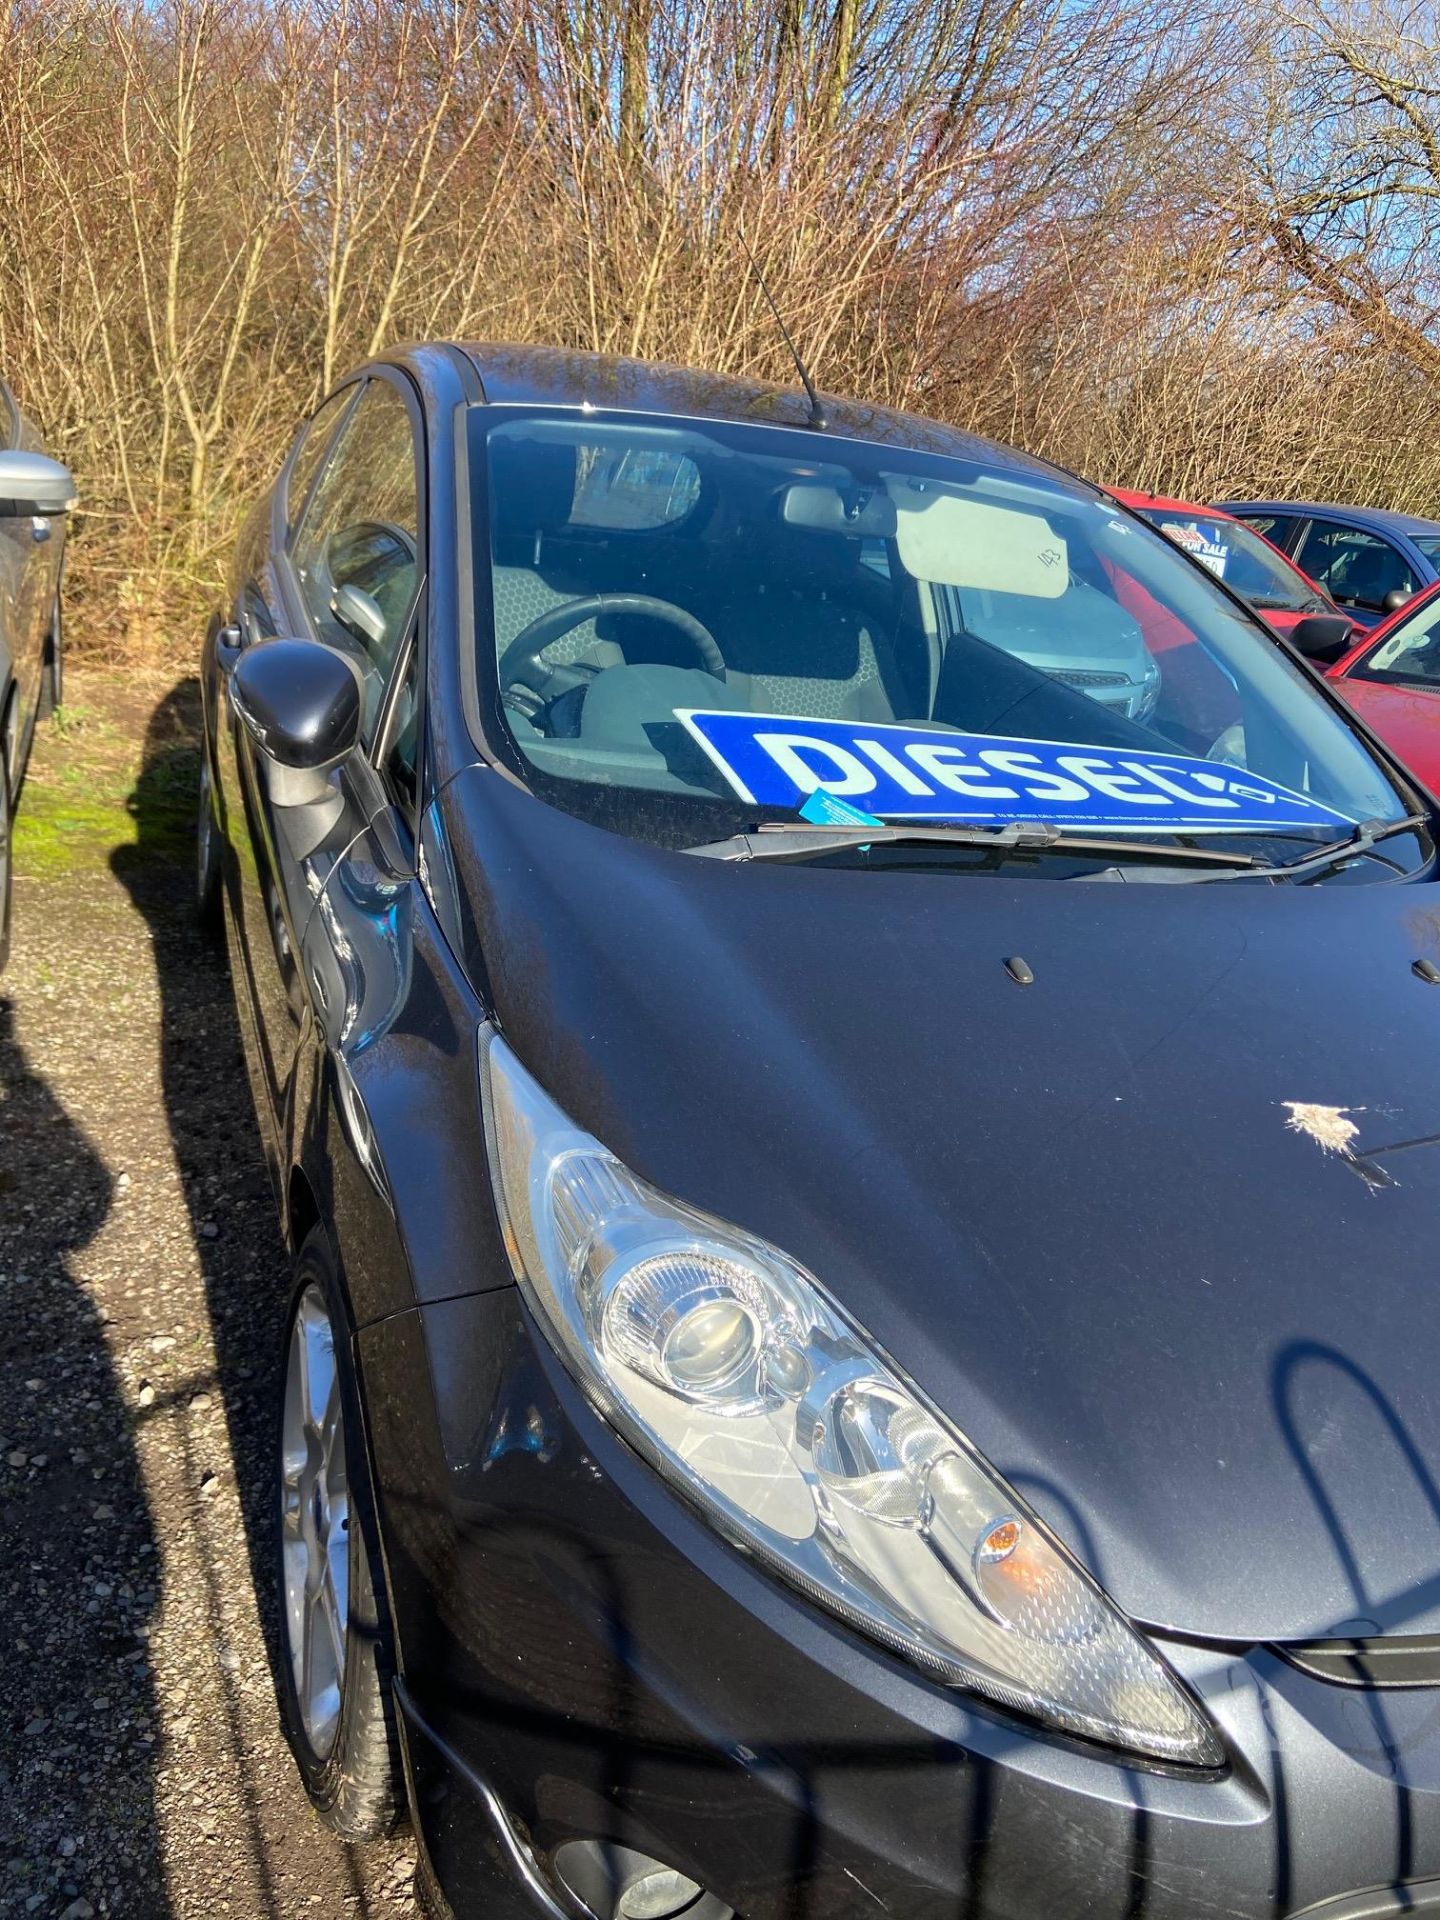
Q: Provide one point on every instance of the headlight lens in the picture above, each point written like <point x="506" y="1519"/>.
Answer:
<point x="1149" y="695"/>
<point x="729" y="1368"/>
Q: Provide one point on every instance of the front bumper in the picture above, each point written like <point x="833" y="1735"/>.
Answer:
<point x="583" y="1658"/>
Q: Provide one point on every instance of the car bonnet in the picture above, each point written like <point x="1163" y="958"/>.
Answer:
<point x="1157" y="1230"/>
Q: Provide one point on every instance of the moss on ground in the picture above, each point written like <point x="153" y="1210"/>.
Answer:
<point x="58" y="835"/>
<point x="97" y="784"/>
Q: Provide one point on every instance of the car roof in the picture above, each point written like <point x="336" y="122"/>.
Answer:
<point x="556" y="377"/>
<point x="1162" y="503"/>
<point x="1374" y="519"/>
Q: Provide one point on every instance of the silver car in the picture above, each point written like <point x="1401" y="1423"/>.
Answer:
<point x="1086" y="638"/>
<point x="36" y="493"/>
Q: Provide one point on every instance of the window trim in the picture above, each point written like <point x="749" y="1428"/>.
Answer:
<point x="412" y="648"/>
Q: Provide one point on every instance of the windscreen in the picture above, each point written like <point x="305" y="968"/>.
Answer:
<point x="686" y="628"/>
<point x="1238" y="555"/>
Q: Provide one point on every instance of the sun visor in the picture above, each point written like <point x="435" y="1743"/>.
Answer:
<point x="956" y="542"/>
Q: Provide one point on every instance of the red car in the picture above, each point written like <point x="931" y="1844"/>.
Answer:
<point x="1244" y="559"/>
<point x="1392" y="679"/>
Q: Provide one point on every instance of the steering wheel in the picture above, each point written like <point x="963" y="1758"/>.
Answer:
<point x="521" y="660"/>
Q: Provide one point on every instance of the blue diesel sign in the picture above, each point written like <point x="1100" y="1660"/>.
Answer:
<point x="922" y="773"/>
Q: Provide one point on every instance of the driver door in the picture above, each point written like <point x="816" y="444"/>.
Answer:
<point x="350" y="577"/>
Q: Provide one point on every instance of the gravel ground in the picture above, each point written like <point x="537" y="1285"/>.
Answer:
<point x="142" y="1769"/>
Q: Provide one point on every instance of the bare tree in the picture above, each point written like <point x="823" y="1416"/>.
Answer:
<point x="1122" y="234"/>
<point x="1347" y="180"/>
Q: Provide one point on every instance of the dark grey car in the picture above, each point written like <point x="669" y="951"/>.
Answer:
<point x="872" y="1364"/>
<point x="36" y="493"/>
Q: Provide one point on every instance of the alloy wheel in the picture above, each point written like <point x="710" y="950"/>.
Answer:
<point x="315" y="1522"/>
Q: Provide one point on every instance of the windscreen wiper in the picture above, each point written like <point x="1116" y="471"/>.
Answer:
<point x="1360" y="840"/>
<point x="795" y="840"/>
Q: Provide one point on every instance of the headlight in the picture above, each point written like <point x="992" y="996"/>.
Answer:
<point x="1149" y="695"/>
<point x="732" y="1371"/>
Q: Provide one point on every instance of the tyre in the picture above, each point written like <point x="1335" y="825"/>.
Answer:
<point x="207" y="855"/>
<point x="335" y="1662"/>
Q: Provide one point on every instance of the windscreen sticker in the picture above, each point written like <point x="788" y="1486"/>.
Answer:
<point x="826" y="809"/>
<point x="922" y="773"/>
<point x="1211" y="552"/>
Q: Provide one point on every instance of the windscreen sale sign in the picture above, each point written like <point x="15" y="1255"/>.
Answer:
<point x="924" y="773"/>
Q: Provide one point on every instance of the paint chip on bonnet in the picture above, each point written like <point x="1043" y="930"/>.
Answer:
<point x="1329" y="1127"/>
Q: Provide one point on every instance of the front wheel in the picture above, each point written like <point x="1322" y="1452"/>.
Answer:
<point x="335" y="1663"/>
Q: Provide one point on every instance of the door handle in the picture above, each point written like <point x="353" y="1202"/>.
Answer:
<point x="228" y="642"/>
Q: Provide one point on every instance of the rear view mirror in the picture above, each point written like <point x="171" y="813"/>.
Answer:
<point x="868" y="513"/>
<point x="34" y="487"/>
<point x="1396" y="599"/>
<point x="1322" y="636"/>
<point x="300" y="703"/>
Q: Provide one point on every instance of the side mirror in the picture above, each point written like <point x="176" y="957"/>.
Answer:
<point x="359" y="613"/>
<point x="1322" y="636"/>
<point x="33" y="487"/>
<point x="1396" y="599"/>
<point x="301" y="704"/>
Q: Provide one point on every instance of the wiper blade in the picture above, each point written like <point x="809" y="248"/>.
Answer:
<point x="1367" y="834"/>
<point x="794" y="840"/>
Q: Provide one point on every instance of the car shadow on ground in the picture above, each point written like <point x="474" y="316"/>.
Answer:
<point x="78" y="1741"/>
<point x="244" y="1264"/>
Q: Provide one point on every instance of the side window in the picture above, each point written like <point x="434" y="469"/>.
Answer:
<point x="250" y="574"/>
<point x="1278" y="528"/>
<point x="316" y="438"/>
<point x="259" y="622"/>
<point x="1411" y="653"/>
<point x="356" y="549"/>
<point x="1356" y="569"/>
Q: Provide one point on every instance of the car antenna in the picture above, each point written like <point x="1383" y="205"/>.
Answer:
<point x="817" y="412"/>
